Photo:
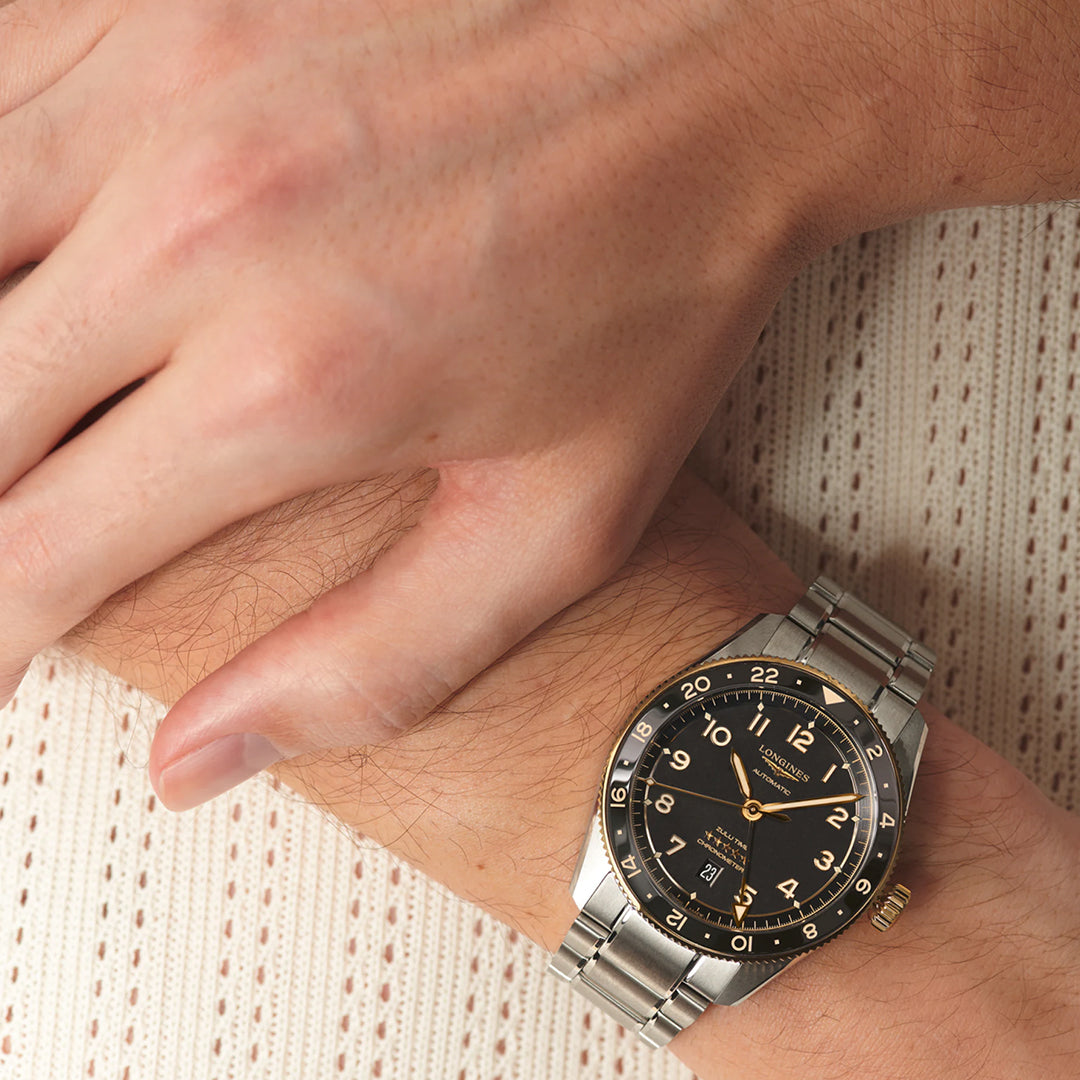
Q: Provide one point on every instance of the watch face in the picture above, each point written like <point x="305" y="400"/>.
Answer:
<point x="752" y="808"/>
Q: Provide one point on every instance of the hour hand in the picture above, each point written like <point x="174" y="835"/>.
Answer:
<point x="740" y="774"/>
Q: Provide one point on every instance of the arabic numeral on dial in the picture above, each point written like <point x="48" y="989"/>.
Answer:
<point x="788" y="888"/>
<point x="862" y="885"/>
<point x="759" y="723"/>
<point x="801" y="738"/>
<point x="699" y="686"/>
<point x="677" y="844"/>
<point x="618" y="796"/>
<point x="809" y="931"/>
<point x="680" y="760"/>
<point x="763" y="674"/>
<point x="837" y="818"/>
<point x="825" y="860"/>
<point x="642" y="731"/>
<point x="742" y="943"/>
<point x="666" y="803"/>
<point x="718" y="736"/>
<point x="676" y="920"/>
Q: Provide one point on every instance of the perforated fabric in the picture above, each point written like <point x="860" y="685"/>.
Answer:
<point x="905" y="424"/>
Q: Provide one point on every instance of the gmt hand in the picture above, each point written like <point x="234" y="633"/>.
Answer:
<point x="741" y="904"/>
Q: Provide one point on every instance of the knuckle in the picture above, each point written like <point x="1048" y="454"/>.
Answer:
<point x="270" y="387"/>
<point x="221" y="188"/>
<point x="279" y="384"/>
<point x="364" y="694"/>
<point x="282" y="377"/>
<point x="394" y="702"/>
<point x="213" y="188"/>
<point x="234" y="184"/>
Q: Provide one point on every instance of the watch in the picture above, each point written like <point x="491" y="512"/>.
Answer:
<point x="750" y="811"/>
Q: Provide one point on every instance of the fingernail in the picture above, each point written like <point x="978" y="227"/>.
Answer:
<point x="213" y="769"/>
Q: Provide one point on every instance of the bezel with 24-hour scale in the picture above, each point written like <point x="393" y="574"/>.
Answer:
<point x="752" y="808"/>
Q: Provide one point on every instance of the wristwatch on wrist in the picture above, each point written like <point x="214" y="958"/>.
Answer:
<point x="750" y="811"/>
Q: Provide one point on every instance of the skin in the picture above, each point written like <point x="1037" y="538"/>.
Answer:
<point x="522" y="245"/>
<point x="493" y="793"/>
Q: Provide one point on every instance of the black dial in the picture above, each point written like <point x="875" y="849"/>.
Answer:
<point x="753" y="808"/>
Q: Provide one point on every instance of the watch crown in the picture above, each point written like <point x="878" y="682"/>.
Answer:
<point x="889" y="907"/>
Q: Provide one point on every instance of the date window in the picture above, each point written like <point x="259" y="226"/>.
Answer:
<point x="709" y="872"/>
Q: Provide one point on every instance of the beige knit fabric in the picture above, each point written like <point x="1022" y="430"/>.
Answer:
<point x="905" y="424"/>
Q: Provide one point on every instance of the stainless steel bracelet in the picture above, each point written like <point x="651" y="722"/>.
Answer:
<point x="836" y="633"/>
<point x="644" y="979"/>
<point x="641" y="978"/>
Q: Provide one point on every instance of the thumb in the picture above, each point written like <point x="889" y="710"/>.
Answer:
<point x="500" y="548"/>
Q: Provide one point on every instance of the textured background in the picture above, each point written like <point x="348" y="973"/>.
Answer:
<point x="906" y="424"/>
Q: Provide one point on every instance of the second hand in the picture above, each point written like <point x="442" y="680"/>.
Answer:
<point x="649" y="781"/>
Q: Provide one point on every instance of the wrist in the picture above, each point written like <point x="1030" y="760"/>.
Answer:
<point x="890" y="112"/>
<point x="839" y="109"/>
<point x="969" y="103"/>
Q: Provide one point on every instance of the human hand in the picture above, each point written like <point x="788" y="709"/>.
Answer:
<point x="493" y="794"/>
<point x="339" y="240"/>
<point x="505" y="243"/>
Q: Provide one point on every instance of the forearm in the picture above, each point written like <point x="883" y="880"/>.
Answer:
<point x="1007" y="122"/>
<point x="493" y="794"/>
<point x="876" y="112"/>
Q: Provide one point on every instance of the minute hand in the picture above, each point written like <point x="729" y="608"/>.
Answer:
<point x="772" y="807"/>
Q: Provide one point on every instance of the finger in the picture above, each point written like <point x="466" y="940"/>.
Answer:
<point x="174" y="462"/>
<point x="497" y="553"/>
<point x="54" y="158"/>
<point x="84" y="324"/>
<point x="42" y="40"/>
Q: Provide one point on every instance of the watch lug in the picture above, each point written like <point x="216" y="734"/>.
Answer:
<point x="748" y="640"/>
<point x="592" y="865"/>
<point x="728" y="982"/>
<point x="908" y="747"/>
